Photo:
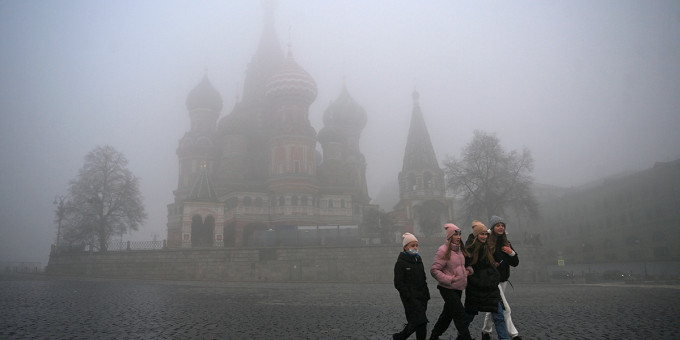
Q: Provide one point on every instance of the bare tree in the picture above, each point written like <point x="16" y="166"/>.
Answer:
<point x="104" y="200"/>
<point x="487" y="180"/>
<point x="61" y="202"/>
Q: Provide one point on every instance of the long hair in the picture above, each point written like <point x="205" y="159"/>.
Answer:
<point x="495" y="239"/>
<point x="449" y="249"/>
<point x="480" y="252"/>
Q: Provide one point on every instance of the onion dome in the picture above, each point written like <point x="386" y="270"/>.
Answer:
<point x="330" y="134"/>
<point x="204" y="96"/>
<point x="345" y="112"/>
<point x="292" y="80"/>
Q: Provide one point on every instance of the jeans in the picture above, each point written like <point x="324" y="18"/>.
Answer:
<point x="488" y="320"/>
<point x="498" y="320"/>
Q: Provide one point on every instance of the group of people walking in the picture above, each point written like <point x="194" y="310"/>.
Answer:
<point x="480" y="268"/>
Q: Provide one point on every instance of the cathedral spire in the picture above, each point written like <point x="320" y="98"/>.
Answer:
<point x="267" y="58"/>
<point x="419" y="152"/>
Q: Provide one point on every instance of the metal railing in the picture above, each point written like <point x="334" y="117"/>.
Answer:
<point x="21" y="267"/>
<point x="136" y="245"/>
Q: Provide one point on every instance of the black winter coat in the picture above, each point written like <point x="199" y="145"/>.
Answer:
<point x="482" y="293"/>
<point x="411" y="282"/>
<point x="504" y="262"/>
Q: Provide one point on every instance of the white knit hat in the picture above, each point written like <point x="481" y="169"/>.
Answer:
<point x="408" y="238"/>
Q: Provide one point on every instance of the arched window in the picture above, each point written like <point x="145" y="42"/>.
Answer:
<point x="247" y="201"/>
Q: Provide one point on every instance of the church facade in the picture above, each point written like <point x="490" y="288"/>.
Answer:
<point x="258" y="169"/>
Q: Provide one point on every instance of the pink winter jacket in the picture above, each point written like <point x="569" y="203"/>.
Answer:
<point x="442" y="270"/>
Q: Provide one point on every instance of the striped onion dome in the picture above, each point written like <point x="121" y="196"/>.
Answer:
<point x="291" y="80"/>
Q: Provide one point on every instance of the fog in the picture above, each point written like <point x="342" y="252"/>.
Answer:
<point x="590" y="87"/>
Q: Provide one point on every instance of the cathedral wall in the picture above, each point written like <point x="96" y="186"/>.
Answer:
<point x="312" y="264"/>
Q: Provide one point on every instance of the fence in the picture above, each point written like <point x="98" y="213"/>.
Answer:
<point x="136" y="245"/>
<point x="21" y="267"/>
<point x="305" y="236"/>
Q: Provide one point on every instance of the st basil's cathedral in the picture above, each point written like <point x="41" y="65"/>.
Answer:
<point x="258" y="168"/>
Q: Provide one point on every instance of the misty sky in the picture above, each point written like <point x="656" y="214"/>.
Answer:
<point x="592" y="88"/>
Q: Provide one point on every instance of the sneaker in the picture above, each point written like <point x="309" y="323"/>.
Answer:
<point x="486" y="336"/>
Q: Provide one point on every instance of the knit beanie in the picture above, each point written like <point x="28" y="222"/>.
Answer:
<point x="495" y="220"/>
<point x="408" y="238"/>
<point x="478" y="228"/>
<point x="450" y="229"/>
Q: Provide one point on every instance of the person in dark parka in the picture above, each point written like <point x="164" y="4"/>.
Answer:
<point x="482" y="293"/>
<point x="410" y="281"/>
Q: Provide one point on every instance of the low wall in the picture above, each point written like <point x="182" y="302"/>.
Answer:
<point x="372" y="264"/>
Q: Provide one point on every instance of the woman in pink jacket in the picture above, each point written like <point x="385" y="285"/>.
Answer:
<point x="448" y="268"/>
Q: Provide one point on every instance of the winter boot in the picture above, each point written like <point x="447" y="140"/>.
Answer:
<point x="404" y="334"/>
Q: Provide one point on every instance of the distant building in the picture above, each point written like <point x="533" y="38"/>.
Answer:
<point x="422" y="187"/>
<point x="258" y="168"/>
<point x="630" y="218"/>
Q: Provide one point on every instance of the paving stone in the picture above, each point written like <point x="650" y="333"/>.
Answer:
<point x="44" y="307"/>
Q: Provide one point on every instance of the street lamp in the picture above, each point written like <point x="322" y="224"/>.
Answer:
<point x="59" y="201"/>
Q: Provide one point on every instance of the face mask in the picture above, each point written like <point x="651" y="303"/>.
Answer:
<point x="413" y="251"/>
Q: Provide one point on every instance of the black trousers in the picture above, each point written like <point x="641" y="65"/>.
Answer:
<point x="421" y="332"/>
<point x="417" y="320"/>
<point x="453" y="311"/>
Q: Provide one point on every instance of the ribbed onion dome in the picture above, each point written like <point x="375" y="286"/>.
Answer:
<point x="345" y="112"/>
<point x="292" y="80"/>
<point x="204" y="96"/>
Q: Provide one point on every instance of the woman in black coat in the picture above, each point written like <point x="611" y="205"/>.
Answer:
<point x="410" y="281"/>
<point x="482" y="293"/>
<point x="505" y="256"/>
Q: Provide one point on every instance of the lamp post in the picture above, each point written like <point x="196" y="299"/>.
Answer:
<point x="59" y="201"/>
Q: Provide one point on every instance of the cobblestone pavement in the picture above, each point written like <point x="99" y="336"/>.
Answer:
<point x="42" y="307"/>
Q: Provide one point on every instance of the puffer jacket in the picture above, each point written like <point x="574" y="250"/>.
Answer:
<point x="482" y="293"/>
<point x="411" y="282"/>
<point x="409" y="277"/>
<point x="443" y="270"/>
